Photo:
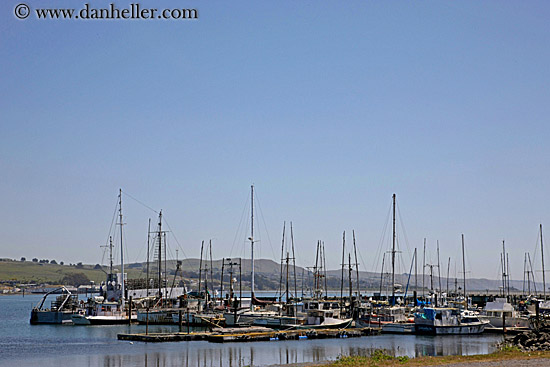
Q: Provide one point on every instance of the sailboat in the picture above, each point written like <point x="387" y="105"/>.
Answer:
<point x="165" y="301"/>
<point x="393" y="318"/>
<point x="234" y="317"/>
<point x="111" y="307"/>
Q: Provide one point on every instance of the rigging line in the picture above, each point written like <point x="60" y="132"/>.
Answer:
<point x="380" y="249"/>
<point x="175" y="238"/>
<point x="403" y="229"/>
<point x="265" y="225"/>
<point x="145" y="205"/>
<point x="239" y="227"/>
<point x="110" y="230"/>
<point x="537" y="244"/>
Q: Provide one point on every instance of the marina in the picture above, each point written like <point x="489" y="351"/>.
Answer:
<point x="91" y="346"/>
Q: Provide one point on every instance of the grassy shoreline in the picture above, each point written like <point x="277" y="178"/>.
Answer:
<point x="381" y="358"/>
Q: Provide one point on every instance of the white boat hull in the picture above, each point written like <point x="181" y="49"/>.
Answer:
<point x="450" y="330"/>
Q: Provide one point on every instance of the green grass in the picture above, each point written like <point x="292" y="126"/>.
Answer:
<point x="381" y="358"/>
<point x="29" y="272"/>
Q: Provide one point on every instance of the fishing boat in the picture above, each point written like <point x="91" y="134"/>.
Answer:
<point x="101" y="312"/>
<point x="111" y="307"/>
<point x="61" y="308"/>
<point x="447" y="321"/>
<point x="500" y="313"/>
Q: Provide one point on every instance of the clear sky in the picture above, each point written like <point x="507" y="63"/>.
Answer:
<point x="328" y="107"/>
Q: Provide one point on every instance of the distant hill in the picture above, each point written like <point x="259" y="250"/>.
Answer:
<point x="267" y="275"/>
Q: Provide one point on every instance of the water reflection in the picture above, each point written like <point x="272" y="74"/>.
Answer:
<point x="204" y="354"/>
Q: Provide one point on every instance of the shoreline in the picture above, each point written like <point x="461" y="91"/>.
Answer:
<point x="506" y="358"/>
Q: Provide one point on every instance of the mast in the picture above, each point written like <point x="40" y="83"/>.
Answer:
<point x="316" y="271"/>
<point x="508" y="270"/>
<point x="393" y="257"/>
<point x="532" y="274"/>
<point x="110" y="255"/>
<point x="121" y="246"/>
<point x="543" y="273"/>
<point x="524" y="272"/>
<point x="504" y="275"/>
<point x="324" y="269"/>
<point x="424" y="270"/>
<point x="200" y="268"/>
<point x="211" y="268"/>
<point x="415" y="274"/>
<point x="356" y="265"/>
<point x="293" y="261"/>
<point x="160" y="254"/>
<point x="281" y="271"/>
<point x="165" y="270"/>
<point x="148" y="235"/>
<point x="464" y="270"/>
<point x="448" y="269"/>
<point x="350" y="280"/>
<point x="342" y="276"/>
<point x="438" y="270"/>
<point x="382" y="274"/>
<point x="252" y="240"/>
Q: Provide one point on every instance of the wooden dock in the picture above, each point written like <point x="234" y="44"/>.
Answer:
<point x="225" y="335"/>
<point x="508" y="330"/>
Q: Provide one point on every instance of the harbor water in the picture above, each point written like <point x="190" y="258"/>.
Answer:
<point x="22" y="344"/>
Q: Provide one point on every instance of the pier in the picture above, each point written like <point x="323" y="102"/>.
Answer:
<point x="224" y="335"/>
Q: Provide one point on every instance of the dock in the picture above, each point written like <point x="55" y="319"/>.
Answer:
<point x="225" y="335"/>
<point x="509" y="330"/>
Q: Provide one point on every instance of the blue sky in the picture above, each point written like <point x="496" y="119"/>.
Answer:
<point x="328" y="107"/>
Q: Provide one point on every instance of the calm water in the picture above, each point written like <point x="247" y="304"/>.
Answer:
<point x="22" y="344"/>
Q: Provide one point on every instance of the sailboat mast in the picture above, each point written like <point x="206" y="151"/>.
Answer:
<point x="293" y="261"/>
<point x="448" y="269"/>
<point x="356" y="265"/>
<point x="504" y="275"/>
<point x="382" y="273"/>
<point x="393" y="257"/>
<point x="342" y="275"/>
<point x="281" y="271"/>
<point x="121" y="245"/>
<point x="200" y="268"/>
<point x="439" y="269"/>
<point x="160" y="255"/>
<point x="464" y="271"/>
<point x="110" y="255"/>
<point x="252" y="239"/>
<point x="148" y="236"/>
<point x="543" y="273"/>
<point x="324" y="269"/>
<point x="424" y="270"/>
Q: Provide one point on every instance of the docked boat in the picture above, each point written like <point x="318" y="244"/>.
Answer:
<point x="398" y="328"/>
<point x="99" y="312"/>
<point x="61" y="308"/>
<point x="447" y="321"/>
<point x="500" y="311"/>
<point x="380" y="316"/>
